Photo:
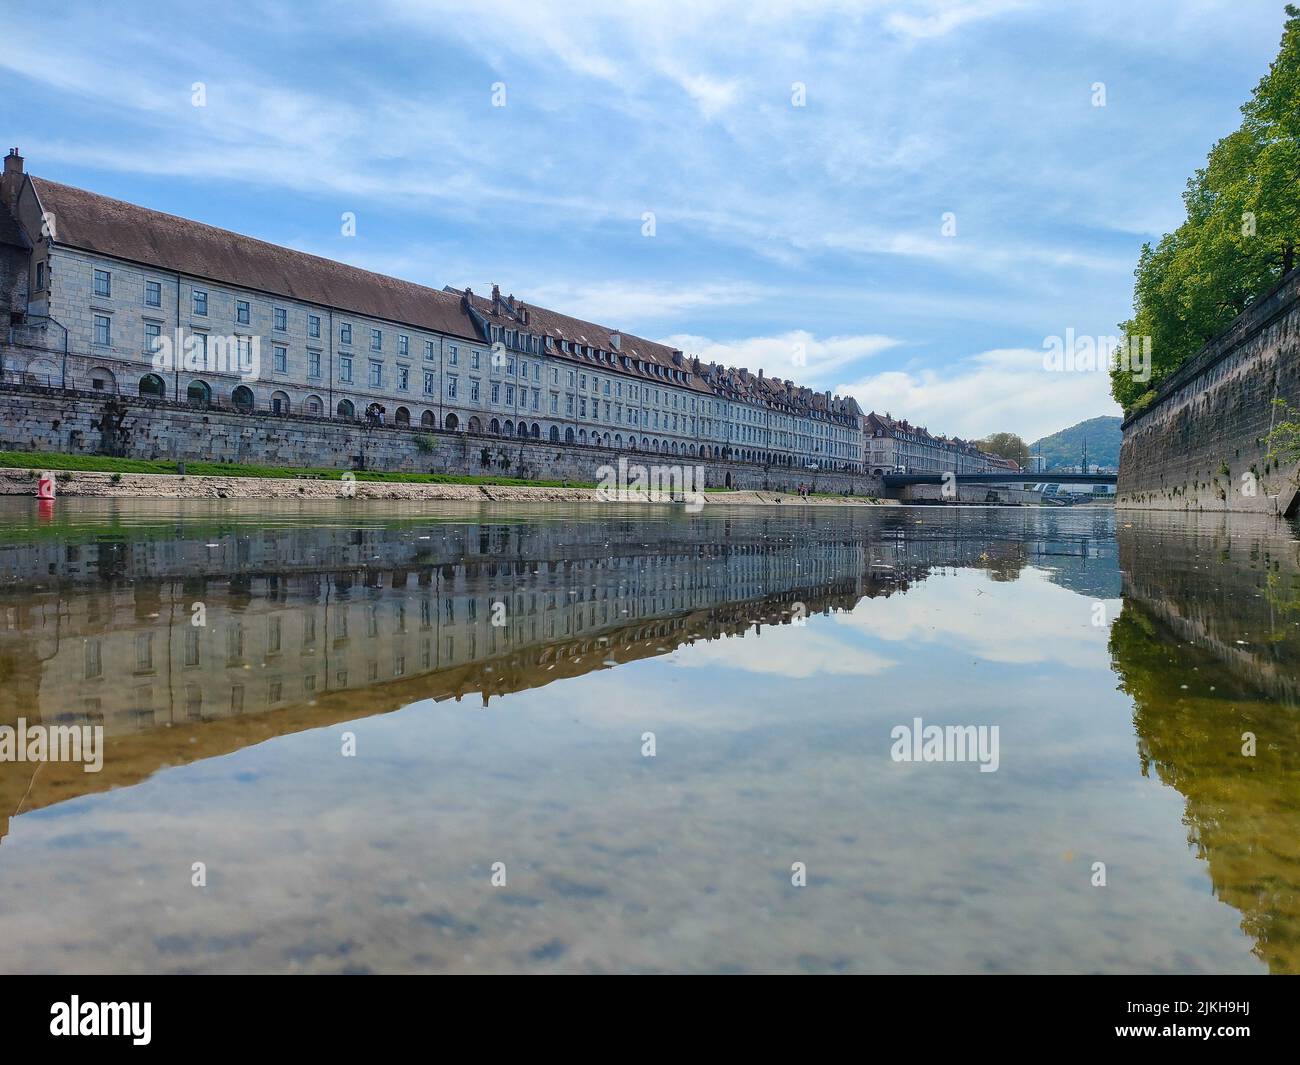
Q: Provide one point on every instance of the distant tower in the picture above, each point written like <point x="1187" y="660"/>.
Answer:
<point x="1085" y="456"/>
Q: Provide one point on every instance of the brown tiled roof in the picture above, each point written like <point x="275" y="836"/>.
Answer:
<point x="122" y="230"/>
<point x="509" y="313"/>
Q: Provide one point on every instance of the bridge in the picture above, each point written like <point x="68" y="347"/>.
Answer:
<point x="902" y="480"/>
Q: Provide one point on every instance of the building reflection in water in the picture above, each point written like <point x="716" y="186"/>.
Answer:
<point x="308" y="625"/>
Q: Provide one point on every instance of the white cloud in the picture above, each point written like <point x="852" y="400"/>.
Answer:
<point x="797" y="354"/>
<point x="803" y="651"/>
<point x="626" y="304"/>
<point x="1002" y="390"/>
<point x="946" y="16"/>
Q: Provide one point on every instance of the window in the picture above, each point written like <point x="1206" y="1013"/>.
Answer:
<point x="313" y="325"/>
<point x="376" y="340"/>
<point x="473" y="360"/>
<point x="280" y="358"/>
<point x="451" y="388"/>
<point x="428" y="350"/>
<point x="496" y="392"/>
<point x="281" y="320"/>
<point x="403" y="344"/>
<point x="40" y="276"/>
<point x="473" y="390"/>
<point x="345" y="333"/>
<point x="313" y="364"/>
<point x="403" y="378"/>
<point x="153" y="293"/>
<point x="199" y="301"/>
<point x="376" y="374"/>
<point x="152" y="331"/>
<point x="451" y="354"/>
<point x="243" y="314"/>
<point x="102" y="334"/>
<point x="103" y="283"/>
<point x="555" y="403"/>
<point x="428" y="382"/>
<point x="510" y="395"/>
<point x="345" y="368"/>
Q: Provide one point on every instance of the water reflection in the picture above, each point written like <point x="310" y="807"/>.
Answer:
<point x="1208" y="646"/>
<point x="773" y="739"/>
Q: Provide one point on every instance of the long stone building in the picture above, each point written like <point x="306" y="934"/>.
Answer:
<point x="896" y="446"/>
<point x="107" y="297"/>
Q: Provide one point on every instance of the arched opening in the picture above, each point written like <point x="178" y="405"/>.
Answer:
<point x="568" y="435"/>
<point x="475" y="426"/>
<point x="428" y="419"/>
<point x="198" y="394"/>
<point x="314" y="406"/>
<point x="605" y="439"/>
<point x="402" y="416"/>
<point x="102" y="380"/>
<point x="279" y="403"/>
<point x="242" y="398"/>
<point x="535" y="432"/>
<point x="645" y="443"/>
<point x="522" y="429"/>
<point x="345" y="409"/>
<point x="151" y="386"/>
<point x="555" y="434"/>
<point x="510" y="427"/>
<point x="494" y="427"/>
<point x="582" y="436"/>
<point x="728" y="478"/>
<point x="618" y="439"/>
<point x="452" y="422"/>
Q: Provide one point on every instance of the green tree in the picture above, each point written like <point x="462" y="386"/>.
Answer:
<point x="1007" y="446"/>
<point x="1241" y="232"/>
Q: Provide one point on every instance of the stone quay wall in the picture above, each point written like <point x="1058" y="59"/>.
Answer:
<point x="1202" y="444"/>
<point x="82" y="423"/>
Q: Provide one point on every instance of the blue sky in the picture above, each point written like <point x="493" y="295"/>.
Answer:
<point x="807" y="240"/>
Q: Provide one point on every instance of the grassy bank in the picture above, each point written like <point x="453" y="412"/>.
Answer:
<point x="43" y="460"/>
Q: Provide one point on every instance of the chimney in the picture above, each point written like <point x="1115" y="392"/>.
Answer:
<point x="496" y="299"/>
<point x="616" y="340"/>
<point x="12" y="182"/>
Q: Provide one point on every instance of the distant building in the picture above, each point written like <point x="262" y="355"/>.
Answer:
<point x="898" y="446"/>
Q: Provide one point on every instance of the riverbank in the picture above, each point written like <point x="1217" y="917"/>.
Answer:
<point x="22" y="482"/>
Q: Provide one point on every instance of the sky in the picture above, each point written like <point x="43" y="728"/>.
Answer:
<point x="901" y="201"/>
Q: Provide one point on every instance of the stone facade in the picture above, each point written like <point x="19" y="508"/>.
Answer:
<point x="34" y="419"/>
<point x="1203" y="443"/>
<point x="123" y="300"/>
<point x="892" y="446"/>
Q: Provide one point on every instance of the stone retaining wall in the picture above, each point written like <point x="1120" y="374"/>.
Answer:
<point x="34" y="419"/>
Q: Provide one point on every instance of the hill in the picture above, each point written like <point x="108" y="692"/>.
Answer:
<point x="1065" y="448"/>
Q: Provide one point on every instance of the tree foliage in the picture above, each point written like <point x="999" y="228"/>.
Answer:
<point x="1240" y="235"/>
<point x="1007" y="446"/>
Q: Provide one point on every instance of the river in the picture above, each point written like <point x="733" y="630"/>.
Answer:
<point x="347" y="737"/>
